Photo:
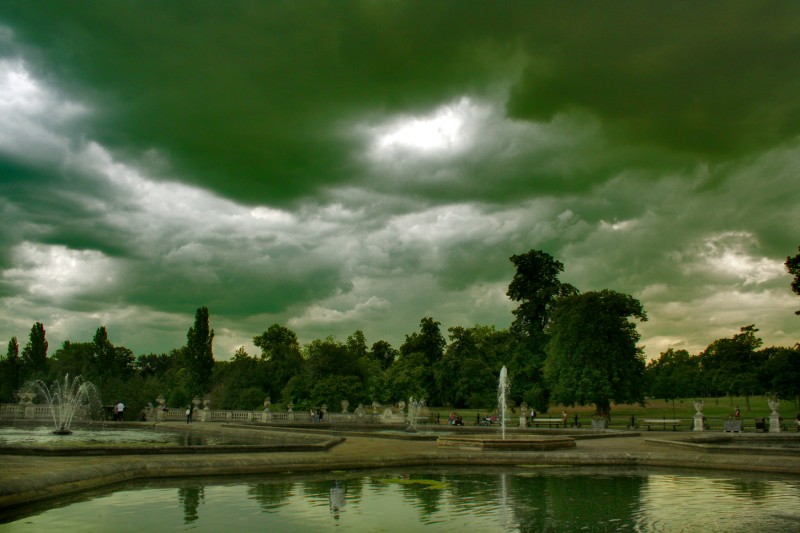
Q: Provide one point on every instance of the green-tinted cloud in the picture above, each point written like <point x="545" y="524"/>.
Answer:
<point x="359" y="165"/>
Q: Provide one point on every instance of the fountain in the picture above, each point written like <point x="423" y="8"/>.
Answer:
<point x="65" y="400"/>
<point x="502" y="395"/>
<point x="515" y="443"/>
<point x="415" y="408"/>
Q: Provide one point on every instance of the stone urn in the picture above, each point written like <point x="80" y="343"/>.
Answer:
<point x="774" y="417"/>
<point x="699" y="418"/>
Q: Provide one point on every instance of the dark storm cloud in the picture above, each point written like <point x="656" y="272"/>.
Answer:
<point x="248" y="98"/>
<point x="244" y="96"/>
<point x="342" y="165"/>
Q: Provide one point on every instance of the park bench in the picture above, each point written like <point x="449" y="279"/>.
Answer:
<point x="663" y="422"/>
<point x="549" y="421"/>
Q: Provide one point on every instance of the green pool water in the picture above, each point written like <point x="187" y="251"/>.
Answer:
<point x="527" y="498"/>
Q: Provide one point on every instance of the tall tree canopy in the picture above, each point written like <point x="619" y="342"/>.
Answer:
<point x="793" y="266"/>
<point x="10" y="371"/>
<point x="384" y="353"/>
<point x="199" y="352"/>
<point x="281" y="351"/>
<point x="429" y="344"/>
<point x="536" y="286"/>
<point x="592" y="357"/>
<point x="732" y="364"/>
<point x="34" y="355"/>
<point x="675" y="374"/>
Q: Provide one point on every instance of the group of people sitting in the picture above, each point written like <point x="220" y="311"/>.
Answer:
<point x="454" y="419"/>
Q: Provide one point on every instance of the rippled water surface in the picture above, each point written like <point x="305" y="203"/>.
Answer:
<point x="521" y="499"/>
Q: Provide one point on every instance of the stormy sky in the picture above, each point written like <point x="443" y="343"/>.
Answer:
<point x="342" y="165"/>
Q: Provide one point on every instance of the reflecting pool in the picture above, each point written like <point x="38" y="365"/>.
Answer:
<point x="529" y="498"/>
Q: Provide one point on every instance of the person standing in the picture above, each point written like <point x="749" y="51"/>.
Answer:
<point x="189" y="411"/>
<point x="120" y="410"/>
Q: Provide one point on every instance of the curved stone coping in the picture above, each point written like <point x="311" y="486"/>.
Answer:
<point x="430" y="433"/>
<point x="162" y="450"/>
<point x="516" y="442"/>
<point x="735" y="444"/>
<point x="59" y="482"/>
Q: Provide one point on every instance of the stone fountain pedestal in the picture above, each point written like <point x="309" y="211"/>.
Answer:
<point x="774" y="424"/>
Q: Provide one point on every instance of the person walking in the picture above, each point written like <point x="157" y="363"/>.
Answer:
<point x="120" y="411"/>
<point x="189" y="411"/>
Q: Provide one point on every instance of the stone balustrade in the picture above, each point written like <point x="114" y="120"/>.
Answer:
<point x="163" y="414"/>
<point x="29" y="411"/>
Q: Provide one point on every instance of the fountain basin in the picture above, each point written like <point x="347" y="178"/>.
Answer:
<point x="146" y="440"/>
<point x="515" y="443"/>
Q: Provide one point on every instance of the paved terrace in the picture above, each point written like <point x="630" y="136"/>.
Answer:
<point x="28" y="478"/>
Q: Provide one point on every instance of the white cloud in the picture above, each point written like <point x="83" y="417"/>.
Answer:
<point x="31" y="112"/>
<point x="732" y="254"/>
<point x="318" y="315"/>
<point x="445" y="131"/>
<point x="55" y="272"/>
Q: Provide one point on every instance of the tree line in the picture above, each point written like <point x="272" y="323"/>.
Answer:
<point x="562" y="346"/>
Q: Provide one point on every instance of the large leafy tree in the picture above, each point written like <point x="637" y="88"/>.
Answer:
<point x="536" y="287"/>
<point x="280" y="350"/>
<point x="34" y="355"/>
<point x="793" y="266"/>
<point x="733" y="364"/>
<point x="73" y="358"/>
<point x="239" y="383"/>
<point x="200" y="353"/>
<point x="109" y="361"/>
<point x="467" y="374"/>
<point x="780" y="373"/>
<point x="384" y="353"/>
<point x="674" y="375"/>
<point x="429" y="343"/>
<point x="408" y="376"/>
<point x="592" y="356"/>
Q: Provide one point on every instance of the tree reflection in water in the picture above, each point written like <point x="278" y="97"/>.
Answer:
<point x="533" y="498"/>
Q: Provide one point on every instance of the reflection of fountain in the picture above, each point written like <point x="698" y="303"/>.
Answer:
<point x="337" y="498"/>
<point x="415" y="408"/>
<point x="504" y="500"/>
<point x="66" y="399"/>
<point x="502" y="395"/>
